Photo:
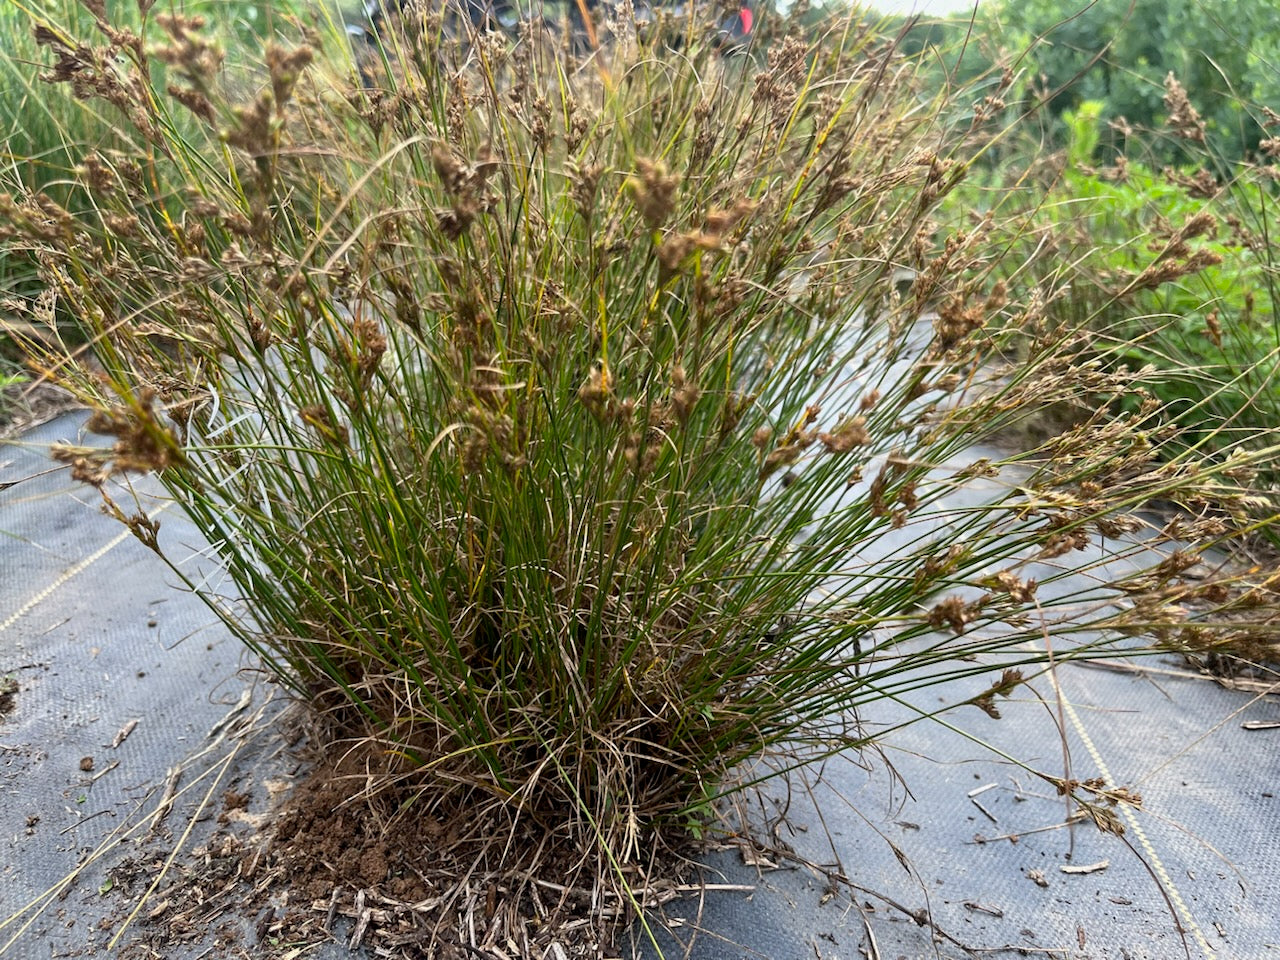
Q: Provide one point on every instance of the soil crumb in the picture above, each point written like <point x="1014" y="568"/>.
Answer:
<point x="8" y="694"/>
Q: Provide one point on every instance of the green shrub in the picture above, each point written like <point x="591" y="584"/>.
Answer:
<point x="1118" y="54"/>
<point x="560" y="427"/>
<point x="1171" y="271"/>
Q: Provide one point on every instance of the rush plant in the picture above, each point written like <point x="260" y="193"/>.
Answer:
<point x="559" y="421"/>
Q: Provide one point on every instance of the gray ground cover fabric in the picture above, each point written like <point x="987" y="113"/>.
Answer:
<point x="121" y="678"/>
<point x="97" y="635"/>
<point x="1207" y="832"/>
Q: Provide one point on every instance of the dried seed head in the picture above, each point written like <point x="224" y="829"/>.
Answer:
<point x="584" y="181"/>
<point x="1184" y="119"/>
<point x="720" y="222"/>
<point x="366" y="349"/>
<point x="731" y="413"/>
<point x="1173" y="268"/>
<point x="121" y="224"/>
<point x="576" y="127"/>
<point x="97" y="175"/>
<point x="193" y="100"/>
<point x="958" y="316"/>
<point x="285" y="68"/>
<point x="954" y="612"/>
<point x="194" y="58"/>
<point x="654" y="192"/>
<point x="596" y="391"/>
<point x="252" y="132"/>
<point x="684" y="395"/>
<point x="1004" y="687"/>
<point x="847" y="435"/>
<point x="1006" y="581"/>
<point x="540" y="125"/>
<point x="449" y="167"/>
<point x="674" y="250"/>
<point x="1213" y="329"/>
<point x="467" y="184"/>
<point x="142" y="443"/>
<point x="1063" y="543"/>
<point x="798" y="439"/>
<point x="775" y="88"/>
<point x="321" y="420"/>
<point x="1202" y="185"/>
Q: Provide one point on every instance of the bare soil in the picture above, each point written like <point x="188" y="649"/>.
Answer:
<point x="8" y="691"/>
<point x="404" y="875"/>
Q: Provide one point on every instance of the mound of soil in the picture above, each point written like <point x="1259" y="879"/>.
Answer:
<point x="405" y="875"/>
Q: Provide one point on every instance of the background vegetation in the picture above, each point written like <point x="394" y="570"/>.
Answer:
<point x="1118" y="54"/>
<point x="1129" y="122"/>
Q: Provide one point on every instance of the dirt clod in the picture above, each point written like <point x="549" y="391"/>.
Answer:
<point x="231" y="800"/>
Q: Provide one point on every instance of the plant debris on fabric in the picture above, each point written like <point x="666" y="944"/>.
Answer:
<point x="290" y="867"/>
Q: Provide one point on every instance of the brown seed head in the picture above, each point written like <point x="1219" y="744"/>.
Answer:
<point x="654" y="192"/>
<point x="847" y="435"/>
<point x="285" y="68"/>
<point x="1184" y="119"/>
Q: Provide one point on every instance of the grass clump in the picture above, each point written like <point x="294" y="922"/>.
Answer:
<point x="559" y="423"/>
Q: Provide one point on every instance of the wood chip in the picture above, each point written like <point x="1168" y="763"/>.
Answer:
<point x="753" y="856"/>
<point x="1246" y="685"/>
<point x="363" y="916"/>
<point x="333" y="909"/>
<point x="873" y="948"/>
<point x="1085" y="867"/>
<point x="1260" y="725"/>
<point x="985" y="812"/>
<point x="1037" y="877"/>
<point x="983" y="908"/>
<point x="123" y="734"/>
<point x="246" y="697"/>
<point x="172" y="778"/>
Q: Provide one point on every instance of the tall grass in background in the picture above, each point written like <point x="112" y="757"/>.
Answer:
<point x="45" y="138"/>
<point x="561" y="427"/>
<point x="40" y="137"/>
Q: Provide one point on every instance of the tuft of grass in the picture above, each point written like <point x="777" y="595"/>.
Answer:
<point x="561" y="426"/>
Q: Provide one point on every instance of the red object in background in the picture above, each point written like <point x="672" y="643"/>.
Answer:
<point x="745" y="16"/>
